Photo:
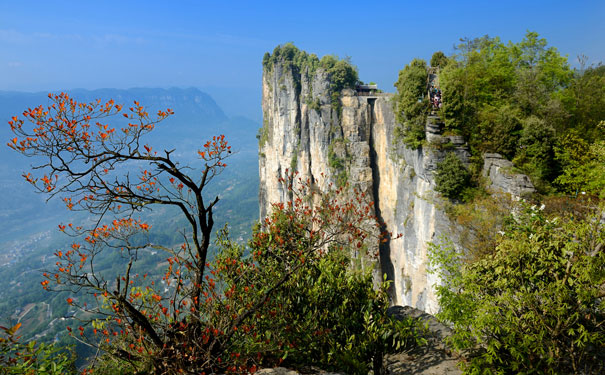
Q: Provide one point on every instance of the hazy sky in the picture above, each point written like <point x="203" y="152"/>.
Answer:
<point x="218" y="46"/>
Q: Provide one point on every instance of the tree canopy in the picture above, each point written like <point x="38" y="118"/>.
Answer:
<point x="535" y="303"/>
<point x="522" y="100"/>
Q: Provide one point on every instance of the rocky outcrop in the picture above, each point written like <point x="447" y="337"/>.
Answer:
<point x="434" y="358"/>
<point x="503" y="179"/>
<point x="303" y="130"/>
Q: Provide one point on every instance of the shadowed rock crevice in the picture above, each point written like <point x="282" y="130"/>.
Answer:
<point x="386" y="265"/>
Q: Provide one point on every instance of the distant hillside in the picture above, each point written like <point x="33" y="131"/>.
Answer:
<point x="197" y="117"/>
<point x="193" y="108"/>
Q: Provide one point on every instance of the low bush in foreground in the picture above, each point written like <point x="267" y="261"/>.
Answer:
<point x="534" y="305"/>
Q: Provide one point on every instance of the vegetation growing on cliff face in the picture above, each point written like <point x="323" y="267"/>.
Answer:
<point x="340" y="72"/>
<point x="534" y="302"/>
<point x="411" y="104"/>
<point x="451" y="177"/>
<point x="336" y="163"/>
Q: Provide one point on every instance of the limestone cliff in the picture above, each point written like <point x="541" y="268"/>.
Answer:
<point x="354" y="141"/>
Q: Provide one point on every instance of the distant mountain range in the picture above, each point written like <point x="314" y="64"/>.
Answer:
<point x="197" y="117"/>
<point x="196" y="113"/>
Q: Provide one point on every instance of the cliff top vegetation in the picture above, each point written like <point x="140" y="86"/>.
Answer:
<point x="522" y="100"/>
<point x="340" y="72"/>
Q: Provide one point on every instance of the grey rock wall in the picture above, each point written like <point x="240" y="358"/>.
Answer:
<point x="503" y="178"/>
<point x="301" y="129"/>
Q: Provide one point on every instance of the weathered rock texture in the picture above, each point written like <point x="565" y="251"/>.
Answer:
<point x="434" y="358"/>
<point x="303" y="131"/>
<point x="502" y="177"/>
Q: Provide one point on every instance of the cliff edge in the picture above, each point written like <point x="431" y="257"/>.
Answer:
<point x="337" y="135"/>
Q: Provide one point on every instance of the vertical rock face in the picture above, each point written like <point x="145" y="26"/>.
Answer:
<point x="503" y="178"/>
<point x="302" y="130"/>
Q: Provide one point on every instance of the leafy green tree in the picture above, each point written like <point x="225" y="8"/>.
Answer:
<point x="32" y="358"/>
<point x="451" y="177"/>
<point x="541" y="72"/>
<point x="498" y="130"/>
<point x="482" y="74"/>
<point x="536" y="304"/>
<point x="439" y="59"/>
<point x="457" y="109"/>
<point x="584" y="102"/>
<point x="536" y="154"/>
<point x="583" y="165"/>
<point x="411" y="103"/>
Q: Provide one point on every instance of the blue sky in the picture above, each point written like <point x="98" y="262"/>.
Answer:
<point x="218" y="46"/>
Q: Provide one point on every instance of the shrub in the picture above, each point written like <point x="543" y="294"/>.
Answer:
<point x="498" y="130"/>
<point x="32" y="358"/>
<point x="438" y="59"/>
<point x="451" y="177"/>
<point x="582" y="164"/>
<point x="536" y="304"/>
<point x="336" y="163"/>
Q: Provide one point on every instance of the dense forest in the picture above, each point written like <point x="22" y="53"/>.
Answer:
<point x="521" y="100"/>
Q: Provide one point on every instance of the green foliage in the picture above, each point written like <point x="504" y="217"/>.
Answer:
<point x="439" y="59"/>
<point x="520" y="99"/>
<point x="108" y="365"/>
<point x="541" y="72"/>
<point x="535" y="304"/>
<point x="291" y="58"/>
<point x="411" y="105"/>
<point x="498" y="130"/>
<point x="294" y="161"/>
<point x="535" y="154"/>
<point x="341" y="72"/>
<point x="32" y="358"/>
<point x="313" y="104"/>
<point x="583" y="165"/>
<point x="338" y="163"/>
<point x="263" y="134"/>
<point x="584" y="103"/>
<point x="451" y="177"/>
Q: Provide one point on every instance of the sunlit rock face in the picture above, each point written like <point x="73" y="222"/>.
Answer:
<point x="303" y="131"/>
<point x="502" y="177"/>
